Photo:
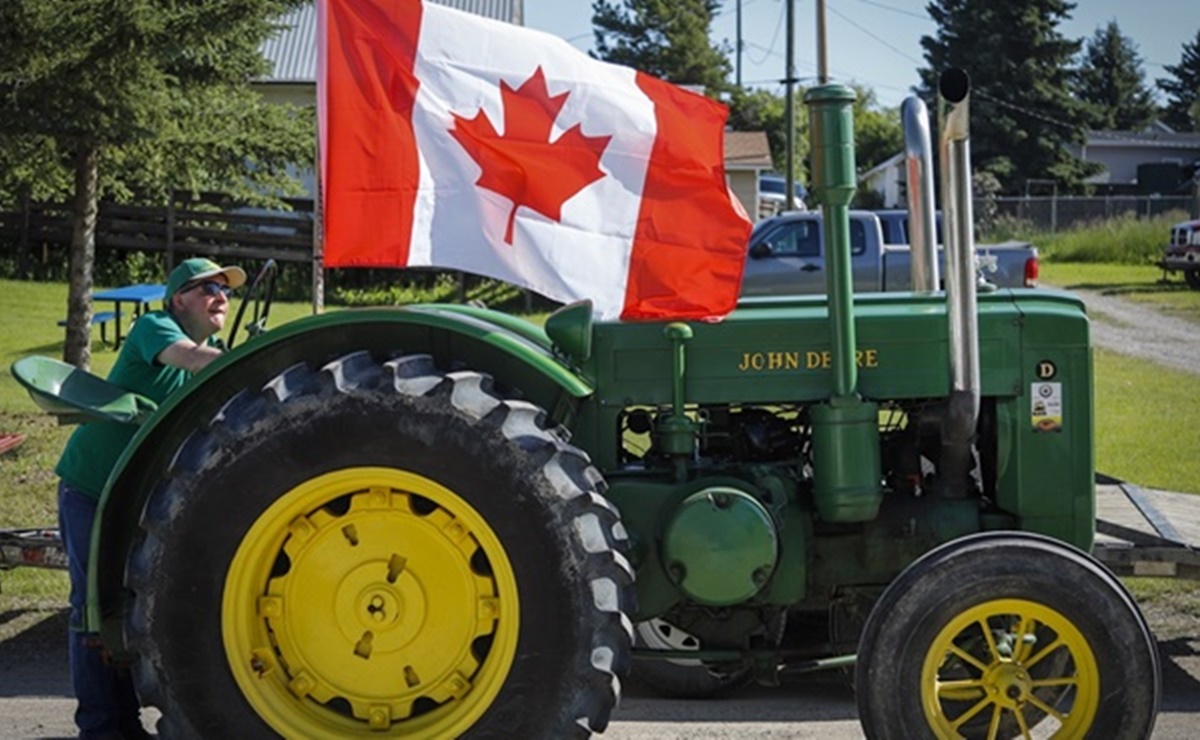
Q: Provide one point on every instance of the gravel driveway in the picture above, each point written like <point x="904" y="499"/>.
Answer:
<point x="1140" y="331"/>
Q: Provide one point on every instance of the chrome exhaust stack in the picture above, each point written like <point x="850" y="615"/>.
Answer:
<point x="918" y="162"/>
<point x="958" y="227"/>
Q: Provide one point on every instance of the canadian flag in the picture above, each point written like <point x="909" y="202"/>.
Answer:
<point x="451" y="140"/>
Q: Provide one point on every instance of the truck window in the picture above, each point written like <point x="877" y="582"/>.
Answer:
<point x="797" y="239"/>
<point x="858" y="237"/>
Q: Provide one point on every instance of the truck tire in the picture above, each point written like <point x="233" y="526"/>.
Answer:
<point x="1064" y="646"/>
<point x="1192" y="277"/>
<point x="379" y="549"/>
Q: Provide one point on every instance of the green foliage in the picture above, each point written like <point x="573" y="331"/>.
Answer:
<point x="1183" y="89"/>
<point x="878" y="132"/>
<point x="1023" y="115"/>
<point x="1111" y="80"/>
<point x="761" y="110"/>
<point x="159" y="89"/>
<point x="665" y="38"/>
<point x="1124" y="241"/>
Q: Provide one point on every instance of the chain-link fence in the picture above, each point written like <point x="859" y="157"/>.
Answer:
<point x="1065" y="212"/>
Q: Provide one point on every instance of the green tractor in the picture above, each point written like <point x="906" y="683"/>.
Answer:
<point x="442" y="521"/>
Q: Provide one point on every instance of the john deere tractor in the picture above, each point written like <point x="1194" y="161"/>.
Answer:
<point x="442" y="521"/>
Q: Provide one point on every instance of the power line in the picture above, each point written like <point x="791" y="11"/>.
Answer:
<point x="774" y="39"/>
<point x="1026" y="111"/>
<point x="901" y="11"/>
<point x="881" y="40"/>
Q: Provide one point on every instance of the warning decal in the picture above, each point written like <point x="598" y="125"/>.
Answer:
<point x="1047" y="412"/>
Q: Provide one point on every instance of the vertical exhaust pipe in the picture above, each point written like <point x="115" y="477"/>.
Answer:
<point x="958" y="428"/>
<point x="922" y="229"/>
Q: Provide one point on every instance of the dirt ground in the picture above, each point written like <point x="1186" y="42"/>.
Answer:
<point x="1140" y="331"/>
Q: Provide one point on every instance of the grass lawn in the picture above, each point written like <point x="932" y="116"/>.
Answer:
<point x="1137" y="283"/>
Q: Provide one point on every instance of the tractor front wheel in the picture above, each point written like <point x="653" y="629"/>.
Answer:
<point x="1005" y="635"/>
<point x="379" y="549"/>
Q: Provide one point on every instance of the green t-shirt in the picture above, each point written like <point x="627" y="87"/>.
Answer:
<point x="94" y="448"/>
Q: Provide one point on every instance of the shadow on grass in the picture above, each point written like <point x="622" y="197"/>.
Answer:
<point x="1116" y="289"/>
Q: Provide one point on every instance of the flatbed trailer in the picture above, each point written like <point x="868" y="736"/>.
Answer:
<point x="1142" y="532"/>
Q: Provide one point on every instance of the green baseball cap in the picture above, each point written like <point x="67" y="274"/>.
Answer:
<point x="201" y="268"/>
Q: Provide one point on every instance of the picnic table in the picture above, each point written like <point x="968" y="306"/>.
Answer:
<point x="141" y="296"/>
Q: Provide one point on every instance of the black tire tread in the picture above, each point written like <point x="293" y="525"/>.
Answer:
<point x="594" y="524"/>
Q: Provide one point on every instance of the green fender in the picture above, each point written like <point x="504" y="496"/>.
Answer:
<point x="515" y="352"/>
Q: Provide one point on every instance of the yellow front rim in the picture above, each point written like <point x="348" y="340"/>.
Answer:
<point x="370" y="601"/>
<point x="1010" y="667"/>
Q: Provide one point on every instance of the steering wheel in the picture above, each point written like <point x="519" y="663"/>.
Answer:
<point x="261" y="292"/>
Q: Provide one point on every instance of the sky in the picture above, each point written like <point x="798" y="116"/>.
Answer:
<point x="876" y="43"/>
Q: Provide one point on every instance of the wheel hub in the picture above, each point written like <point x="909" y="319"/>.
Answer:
<point x="371" y="607"/>
<point x="1008" y="684"/>
<point x="393" y="613"/>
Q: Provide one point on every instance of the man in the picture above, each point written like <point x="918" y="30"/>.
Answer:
<point x="163" y="350"/>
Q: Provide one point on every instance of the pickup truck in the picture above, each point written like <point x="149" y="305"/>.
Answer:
<point x="787" y="257"/>
<point x="1183" y="253"/>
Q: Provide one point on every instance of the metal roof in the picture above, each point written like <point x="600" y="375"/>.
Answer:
<point x="1148" y="138"/>
<point x="293" y="51"/>
<point x="747" y="150"/>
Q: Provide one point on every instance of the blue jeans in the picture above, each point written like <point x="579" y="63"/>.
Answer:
<point x="108" y="706"/>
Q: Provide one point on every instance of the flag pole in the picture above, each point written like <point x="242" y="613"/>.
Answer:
<point x="318" y="243"/>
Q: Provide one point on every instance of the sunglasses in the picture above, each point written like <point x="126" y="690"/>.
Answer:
<point x="210" y="289"/>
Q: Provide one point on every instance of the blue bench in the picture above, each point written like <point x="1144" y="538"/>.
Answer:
<point x="102" y="318"/>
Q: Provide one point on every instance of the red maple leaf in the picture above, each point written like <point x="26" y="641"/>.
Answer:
<point x="523" y="164"/>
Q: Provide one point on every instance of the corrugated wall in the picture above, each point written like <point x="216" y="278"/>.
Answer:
<point x="293" y="51"/>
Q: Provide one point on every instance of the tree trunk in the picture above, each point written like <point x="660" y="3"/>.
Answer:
<point x="23" y="258"/>
<point x="77" y="349"/>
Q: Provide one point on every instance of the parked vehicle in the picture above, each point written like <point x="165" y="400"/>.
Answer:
<point x="771" y="189"/>
<point x="1183" y="253"/>
<point x="787" y="257"/>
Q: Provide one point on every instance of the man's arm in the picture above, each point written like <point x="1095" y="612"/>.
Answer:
<point x="188" y="355"/>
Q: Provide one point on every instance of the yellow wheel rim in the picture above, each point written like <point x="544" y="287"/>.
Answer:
<point x="1010" y="666"/>
<point x="370" y="601"/>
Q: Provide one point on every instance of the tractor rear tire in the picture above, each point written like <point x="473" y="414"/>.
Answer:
<point x="994" y="633"/>
<point x="379" y="549"/>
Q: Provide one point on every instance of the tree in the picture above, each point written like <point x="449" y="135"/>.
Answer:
<point x="142" y="96"/>
<point x="1183" y="92"/>
<point x="1111" y="80"/>
<point x="665" y="38"/>
<point x="761" y="110"/>
<point x="1023" y="116"/>
<point x="878" y="132"/>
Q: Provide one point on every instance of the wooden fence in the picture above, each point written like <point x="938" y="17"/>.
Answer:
<point x="210" y="225"/>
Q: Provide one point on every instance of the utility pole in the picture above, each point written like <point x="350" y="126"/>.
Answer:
<point x="739" y="43"/>
<point x="822" y="49"/>
<point x="789" y="177"/>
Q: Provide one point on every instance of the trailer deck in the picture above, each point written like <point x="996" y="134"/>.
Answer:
<point x="1142" y="532"/>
